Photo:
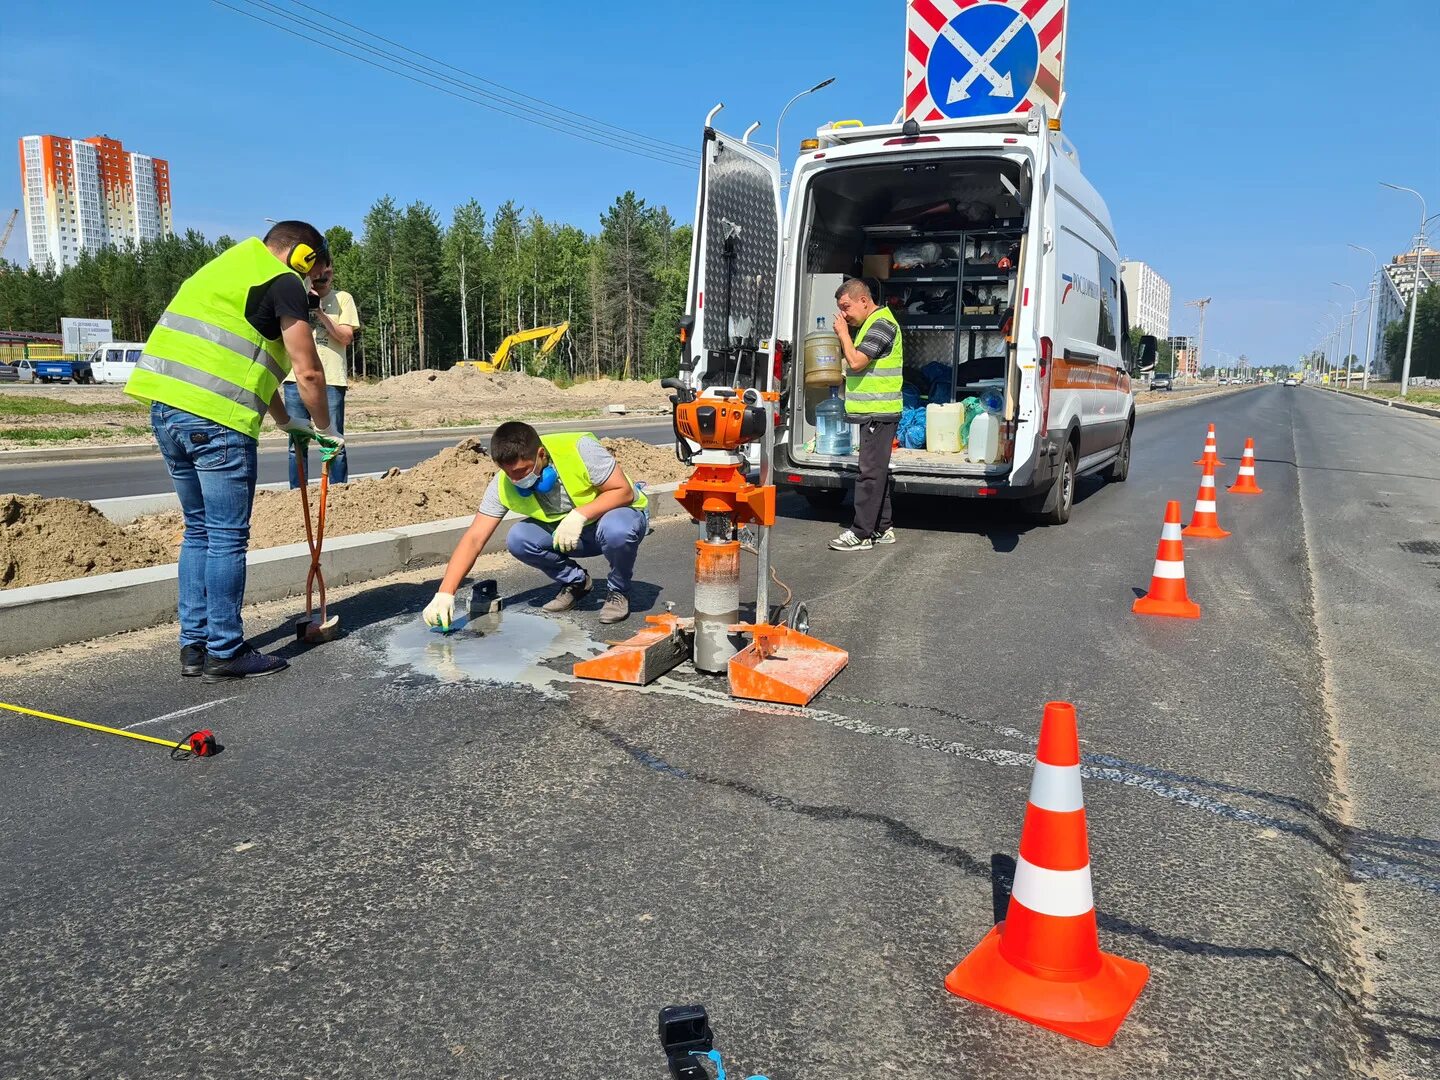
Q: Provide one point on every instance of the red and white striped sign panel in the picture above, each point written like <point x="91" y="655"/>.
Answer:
<point x="968" y="58"/>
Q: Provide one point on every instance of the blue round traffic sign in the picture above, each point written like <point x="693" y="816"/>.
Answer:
<point x="983" y="62"/>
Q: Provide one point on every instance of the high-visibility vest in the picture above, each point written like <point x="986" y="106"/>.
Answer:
<point x="875" y="392"/>
<point x="204" y="356"/>
<point x="564" y="451"/>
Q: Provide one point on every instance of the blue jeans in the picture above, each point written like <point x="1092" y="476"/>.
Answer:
<point x="616" y="536"/>
<point x="335" y="398"/>
<point x="213" y="469"/>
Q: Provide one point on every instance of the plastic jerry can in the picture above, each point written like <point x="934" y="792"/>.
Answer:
<point x="983" y="447"/>
<point x="942" y="427"/>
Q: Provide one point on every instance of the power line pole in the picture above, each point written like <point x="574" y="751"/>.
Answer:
<point x="1200" y="346"/>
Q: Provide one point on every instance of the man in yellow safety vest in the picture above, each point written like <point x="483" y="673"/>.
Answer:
<point x="875" y="367"/>
<point x="210" y="372"/>
<point x="578" y="502"/>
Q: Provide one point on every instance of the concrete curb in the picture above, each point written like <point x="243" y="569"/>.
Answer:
<point x="63" y="612"/>
<point x="127" y="508"/>
<point x="359" y="438"/>
<point x="1404" y="406"/>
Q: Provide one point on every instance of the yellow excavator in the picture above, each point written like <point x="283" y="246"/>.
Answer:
<point x="501" y="360"/>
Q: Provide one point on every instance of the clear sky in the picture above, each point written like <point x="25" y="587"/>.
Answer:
<point x="1239" y="144"/>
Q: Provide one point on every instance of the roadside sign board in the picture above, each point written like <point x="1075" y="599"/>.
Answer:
<point x="83" y="335"/>
<point x="966" y="58"/>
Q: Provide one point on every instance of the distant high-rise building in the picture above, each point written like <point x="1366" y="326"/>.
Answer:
<point x="1392" y="302"/>
<point x="1149" y="296"/>
<point x="83" y="194"/>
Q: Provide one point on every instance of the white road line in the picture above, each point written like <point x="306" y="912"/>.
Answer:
<point x="179" y="713"/>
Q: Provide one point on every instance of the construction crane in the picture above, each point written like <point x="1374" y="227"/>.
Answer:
<point x="501" y="360"/>
<point x="5" y="240"/>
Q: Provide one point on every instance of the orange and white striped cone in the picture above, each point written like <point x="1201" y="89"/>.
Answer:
<point x="1245" y="482"/>
<point x="1043" y="964"/>
<point x="1205" y="522"/>
<point x="1167" y="595"/>
<point x="1211" y="453"/>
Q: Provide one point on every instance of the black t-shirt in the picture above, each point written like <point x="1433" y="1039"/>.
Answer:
<point x="280" y="297"/>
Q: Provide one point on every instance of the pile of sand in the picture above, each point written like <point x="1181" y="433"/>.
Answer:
<point x="45" y="540"/>
<point x="466" y="395"/>
<point x="448" y="485"/>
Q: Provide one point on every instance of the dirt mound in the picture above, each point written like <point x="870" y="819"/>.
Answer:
<point x="44" y="540"/>
<point x="463" y="395"/>
<point x="448" y="485"/>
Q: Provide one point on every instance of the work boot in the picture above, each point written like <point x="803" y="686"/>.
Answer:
<point x="848" y="541"/>
<point x="248" y="663"/>
<point x="568" y="595"/>
<point x="887" y="537"/>
<point x="192" y="660"/>
<point x="616" y="609"/>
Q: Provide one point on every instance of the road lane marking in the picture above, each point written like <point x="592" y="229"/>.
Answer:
<point x="179" y="713"/>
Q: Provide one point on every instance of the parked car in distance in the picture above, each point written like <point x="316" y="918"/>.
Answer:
<point x="9" y="372"/>
<point x="25" y="371"/>
<point x="113" y="361"/>
<point x="1161" y="382"/>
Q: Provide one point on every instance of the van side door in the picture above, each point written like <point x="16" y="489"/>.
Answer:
<point x="734" y="259"/>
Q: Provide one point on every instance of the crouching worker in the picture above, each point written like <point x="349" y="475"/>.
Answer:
<point x="579" y="503"/>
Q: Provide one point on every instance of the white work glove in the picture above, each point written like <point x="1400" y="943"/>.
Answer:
<point x="330" y="441"/>
<point x="440" y="612"/>
<point x="567" y="533"/>
<point x="300" y="431"/>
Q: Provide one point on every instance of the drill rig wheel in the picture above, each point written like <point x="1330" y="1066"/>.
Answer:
<point x="800" y="618"/>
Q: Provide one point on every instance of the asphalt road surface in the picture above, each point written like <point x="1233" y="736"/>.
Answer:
<point x="399" y="869"/>
<point x="120" y="477"/>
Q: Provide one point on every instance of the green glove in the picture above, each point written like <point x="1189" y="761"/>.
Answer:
<point x="300" y="432"/>
<point x="331" y="443"/>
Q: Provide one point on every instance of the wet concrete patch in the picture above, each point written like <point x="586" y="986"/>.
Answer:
<point x="511" y="648"/>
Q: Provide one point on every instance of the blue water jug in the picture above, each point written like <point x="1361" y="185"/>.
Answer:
<point x="832" y="430"/>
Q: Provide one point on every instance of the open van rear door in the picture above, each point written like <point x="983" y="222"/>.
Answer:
<point x="734" y="260"/>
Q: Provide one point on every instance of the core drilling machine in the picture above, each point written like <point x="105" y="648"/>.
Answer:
<point x="781" y="663"/>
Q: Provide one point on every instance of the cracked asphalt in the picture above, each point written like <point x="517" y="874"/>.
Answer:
<point x="397" y="869"/>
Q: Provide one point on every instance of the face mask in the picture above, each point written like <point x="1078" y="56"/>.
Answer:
<point x="541" y="483"/>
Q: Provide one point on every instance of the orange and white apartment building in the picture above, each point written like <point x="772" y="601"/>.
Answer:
<point x="85" y="194"/>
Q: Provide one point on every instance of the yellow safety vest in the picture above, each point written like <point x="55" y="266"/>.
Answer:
<point x="875" y="392"/>
<point x="564" y="451"/>
<point x="204" y="356"/>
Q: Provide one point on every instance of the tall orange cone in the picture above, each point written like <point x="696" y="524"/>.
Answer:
<point x="1245" y="483"/>
<point x="1211" y="453"/>
<point x="1167" y="594"/>
<point x="1043" y="963"/>
<point x="1205" y="522"/>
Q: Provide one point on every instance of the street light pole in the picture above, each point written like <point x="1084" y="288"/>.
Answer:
<point x="1353" y="312"/>
<point x="779" y="146"/>
<point x="1370" y="322"/>
<point x="1415" y="294"/>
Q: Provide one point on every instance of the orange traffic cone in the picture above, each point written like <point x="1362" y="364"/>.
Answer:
<point x="1205" y="522"/>
<point x="1245" y="483"/>
<point x="1211" y="452"/>
<point x="1167" y="594"/>
<point x="1043" y="963"/>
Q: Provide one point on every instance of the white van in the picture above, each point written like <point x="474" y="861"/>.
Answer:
<point x="996" y="256"/>
<point x="113" y="361"/>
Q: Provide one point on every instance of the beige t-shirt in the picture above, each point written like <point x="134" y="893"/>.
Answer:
<point x="340" y="306"/>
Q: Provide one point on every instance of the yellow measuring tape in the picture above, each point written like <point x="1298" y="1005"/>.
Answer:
<point x="198" y="743"/>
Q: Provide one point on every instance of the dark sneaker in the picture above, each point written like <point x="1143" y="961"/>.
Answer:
<point x="616" y="609"/>
<point x="568" y="596"/>
<point x="248" y="663"/>
<point x="848" y="541"/>
<point x="887" y="537"/>
<point x="192" y="660"/>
